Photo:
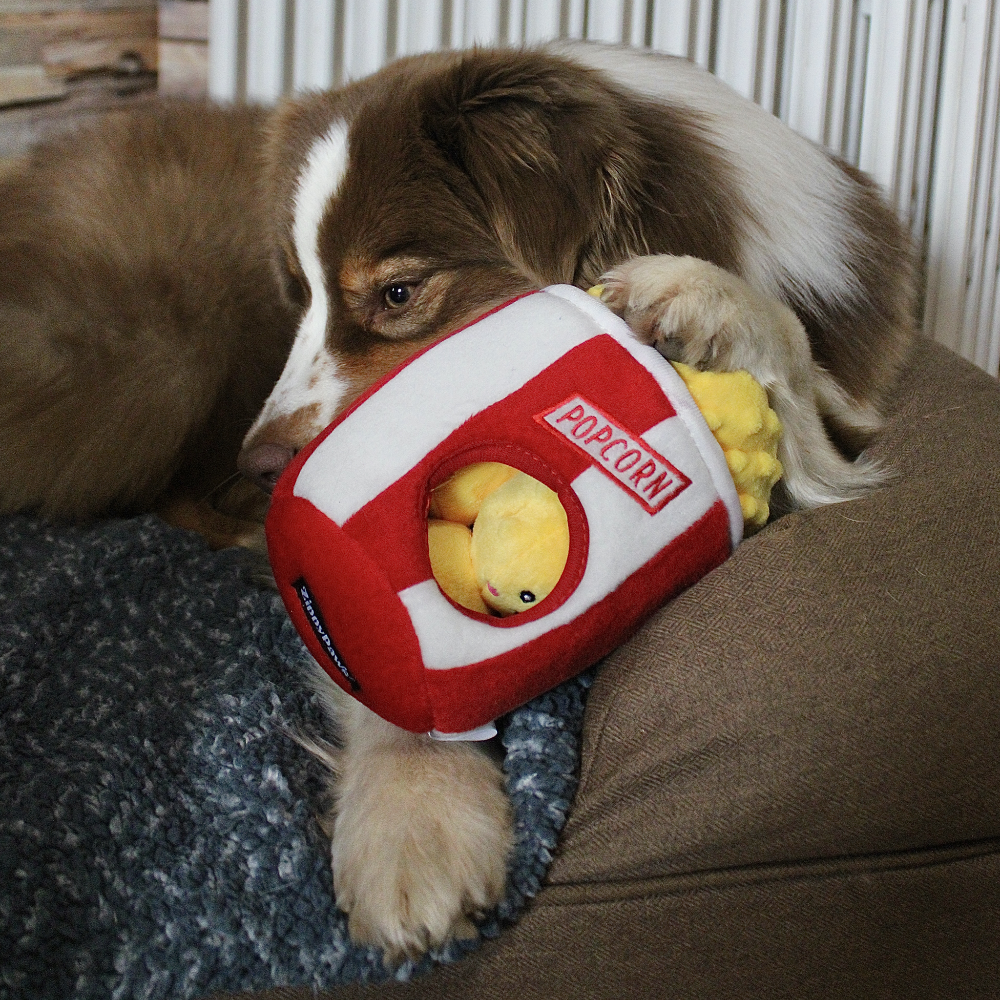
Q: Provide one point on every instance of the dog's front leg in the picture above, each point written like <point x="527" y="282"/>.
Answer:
<point x="695" y="312"/>
<point x="421" y="833"/>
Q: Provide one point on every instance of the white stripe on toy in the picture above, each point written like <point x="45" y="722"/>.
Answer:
<point x="505" y="352"/>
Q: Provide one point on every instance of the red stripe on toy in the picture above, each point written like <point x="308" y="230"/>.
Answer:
<point x="353" y="623"/>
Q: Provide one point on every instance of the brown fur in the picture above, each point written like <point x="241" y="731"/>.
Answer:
<point x="140" y="330"/>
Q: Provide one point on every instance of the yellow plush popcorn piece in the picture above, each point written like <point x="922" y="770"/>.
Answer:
<point x="737" y="412"/>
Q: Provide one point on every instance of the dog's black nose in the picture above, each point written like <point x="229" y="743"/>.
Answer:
<point x="264" y="463"/>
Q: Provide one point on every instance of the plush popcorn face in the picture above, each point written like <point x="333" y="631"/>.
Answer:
<point x="520" y="542"/>
<point x="498" y="539"/>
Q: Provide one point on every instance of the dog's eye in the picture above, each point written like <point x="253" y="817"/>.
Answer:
<point x="527" y="596"/>
<point x="397" y="294"/>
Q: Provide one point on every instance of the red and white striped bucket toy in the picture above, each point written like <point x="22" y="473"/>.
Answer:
<point x="553" y="384"/>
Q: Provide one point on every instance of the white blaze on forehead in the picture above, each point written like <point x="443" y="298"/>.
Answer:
<point x="310" y="377"/>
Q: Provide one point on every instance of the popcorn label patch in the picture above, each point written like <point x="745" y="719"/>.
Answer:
<point x="641" y="471"/>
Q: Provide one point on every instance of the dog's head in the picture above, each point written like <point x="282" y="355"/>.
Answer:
<point x="414" y="200"/>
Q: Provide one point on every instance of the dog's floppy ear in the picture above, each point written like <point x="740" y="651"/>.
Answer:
<point x="539" y="142"/>
<point x="488" y="115"/>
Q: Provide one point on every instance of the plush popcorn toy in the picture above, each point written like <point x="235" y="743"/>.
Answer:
<point x="552" y="386"/>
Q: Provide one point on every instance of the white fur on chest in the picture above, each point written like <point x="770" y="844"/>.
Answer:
<point x="310" y="379"/>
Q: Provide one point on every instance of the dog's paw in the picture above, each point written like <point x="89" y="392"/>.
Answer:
<point x="689" y="309"/>
<point x="420" y="845"/>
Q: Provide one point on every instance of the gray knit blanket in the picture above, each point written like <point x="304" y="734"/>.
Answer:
<point x="157" y="830"/>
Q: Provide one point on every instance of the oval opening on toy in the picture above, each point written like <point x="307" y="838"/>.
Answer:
<point x="498" y="539"/>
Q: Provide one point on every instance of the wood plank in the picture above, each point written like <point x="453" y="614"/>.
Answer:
<point x="80" y="24"/>
<point x="17" y="48"/>
<point x="21" y="84"/>
<point x="126" y="54"/>
<point x="69" y="42"/>
<point x="57" y="6"/>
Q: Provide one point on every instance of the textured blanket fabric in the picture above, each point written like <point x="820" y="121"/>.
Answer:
<point x="157" y="831"/>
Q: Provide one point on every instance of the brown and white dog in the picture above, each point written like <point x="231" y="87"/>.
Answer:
<point x="142" y="330"/>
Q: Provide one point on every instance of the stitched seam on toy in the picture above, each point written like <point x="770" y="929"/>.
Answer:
<point x="318" y="627"/>
<point x="646" y="471"/>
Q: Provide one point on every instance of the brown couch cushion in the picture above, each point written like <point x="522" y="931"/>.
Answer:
<point x="790" y="777"/>
<point x="832" y="689"/>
